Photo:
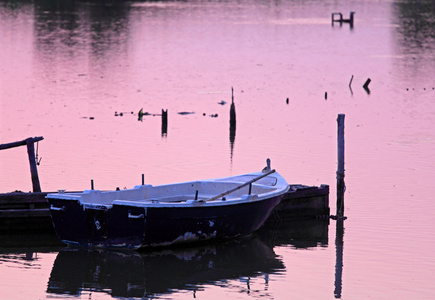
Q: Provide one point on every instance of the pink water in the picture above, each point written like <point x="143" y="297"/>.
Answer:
<point x="63" y="64"/>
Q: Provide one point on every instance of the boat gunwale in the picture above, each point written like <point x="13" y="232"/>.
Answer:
<point x="280" y="187"/>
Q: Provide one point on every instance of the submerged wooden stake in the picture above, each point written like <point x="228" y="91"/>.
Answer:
<point x="366" y="85"/>
<point x="350" y="83"/>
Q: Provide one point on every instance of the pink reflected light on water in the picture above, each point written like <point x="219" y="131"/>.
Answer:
<point x="185" y="57"/>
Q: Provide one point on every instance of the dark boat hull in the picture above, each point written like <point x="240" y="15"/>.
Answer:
<point x="134" y="227"/>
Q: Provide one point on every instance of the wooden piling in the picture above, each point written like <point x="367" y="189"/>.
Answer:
<point x="32" y="159"/>
<point x="164" y="122"/>
<point x="33" y="169"/>
<point x="340" y="166"/>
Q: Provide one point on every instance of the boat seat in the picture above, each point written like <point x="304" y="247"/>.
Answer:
<point x="180" y="198"/>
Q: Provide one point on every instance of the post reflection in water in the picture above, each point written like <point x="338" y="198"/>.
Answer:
<point x="339" y="257"/>
<point x="152" y="273"/>
<point x="232" y="125"/>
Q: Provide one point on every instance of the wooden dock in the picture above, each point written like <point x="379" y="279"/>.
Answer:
<point x="24" y="211"/>
<point x="303" y="202"/>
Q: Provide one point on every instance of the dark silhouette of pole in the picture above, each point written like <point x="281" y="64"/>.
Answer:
<point x="339" y="233"/>
<point x="32" y="161"/>
<point x="340" y="166"/>
<point x="339" y="229"/>
<point x="164" y="122"/>
<point x="232" y="110"/>
<point x="232" y="123"/>
<point x="366" y="85"/>
<point x="30" y="143"/>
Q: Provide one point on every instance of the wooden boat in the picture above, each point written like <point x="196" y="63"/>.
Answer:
<point x="152" y="216"/>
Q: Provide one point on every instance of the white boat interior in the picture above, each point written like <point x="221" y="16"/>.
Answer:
<point x="202" y="192"/>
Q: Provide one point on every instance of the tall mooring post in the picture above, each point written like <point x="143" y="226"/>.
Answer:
<point x="339" y="230"/>
<point x="340" y="166"/>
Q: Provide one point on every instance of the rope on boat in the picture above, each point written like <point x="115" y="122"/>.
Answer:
<point x="238" y="187"/>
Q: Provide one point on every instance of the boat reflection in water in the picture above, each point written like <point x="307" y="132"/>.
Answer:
<point x="148" y="274"/>
<point x="135" y="274"/>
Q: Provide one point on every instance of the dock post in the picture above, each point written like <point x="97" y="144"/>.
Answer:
<point x="92" y="184"/>
<point x="340" y="166"/>
<point x="32" y="161"/>
<point x="164" y="122"/>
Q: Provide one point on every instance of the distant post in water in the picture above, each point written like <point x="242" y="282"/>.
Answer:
<point x="164" y="122"/>
<point x="232" y="110"/>
<point x="340" y="166"/>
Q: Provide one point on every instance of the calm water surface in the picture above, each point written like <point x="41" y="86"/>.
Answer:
<point x="68" y="67"/>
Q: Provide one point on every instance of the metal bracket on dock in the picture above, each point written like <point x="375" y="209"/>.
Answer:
<point x="55" y="208"/>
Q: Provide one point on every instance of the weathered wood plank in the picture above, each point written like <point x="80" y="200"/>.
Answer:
<point x="20" y="143"/>
<point x="25" y="213"/>
<point x="303" y="202"/>
<point x="9" y="198"/>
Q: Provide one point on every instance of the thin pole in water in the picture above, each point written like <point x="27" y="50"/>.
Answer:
<point x="340" y="166"/>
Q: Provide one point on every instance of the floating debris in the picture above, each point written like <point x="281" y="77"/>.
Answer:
<point x="222" y="102"/>
<point x="424" y="89"/>
<point x="185" y="112"/>
<point x="122" y="113"/>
